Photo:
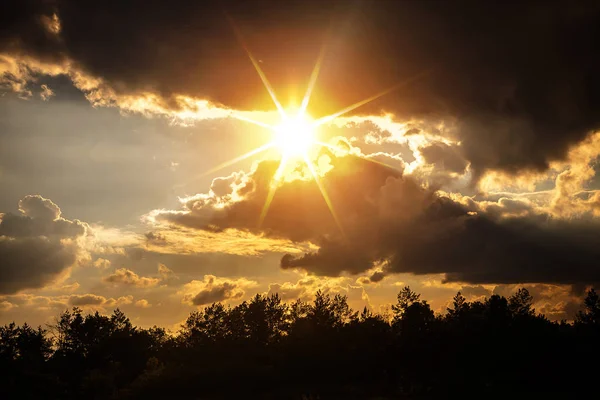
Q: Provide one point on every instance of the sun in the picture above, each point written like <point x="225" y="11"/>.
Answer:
<point x="294" y="136"/>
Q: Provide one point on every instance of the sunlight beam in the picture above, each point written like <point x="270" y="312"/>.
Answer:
<point x="272" y="189"/>
<point x="354" y="106"/>
<point x="252" y="121"/>
<point x="321" y="187"/>
<point x="240" y="158"/>
<point x="259" y="70"/>
<point x="313" y="79"/>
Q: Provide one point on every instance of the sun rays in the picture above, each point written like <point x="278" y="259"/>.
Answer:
<point x="295" y="135"/>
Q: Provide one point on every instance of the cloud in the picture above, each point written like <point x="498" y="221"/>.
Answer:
<point x="125" y="276"/>
<point x="444" y="156"/>
<point x="6" y="305"/>
<point x="56" y="304"/>
<point x="39" y="217"/>
<point x="87" y="300"/>
<point x="37" y="246"/>
<point x="393" y="221"/>
<point x="46" y="92"/>
<point x="214" y="289"/>
<point x="165" y="272"/>
<point x="513" y="108"/>
<point x="93" y="300"/>
<point x="306" y="287"/>
<point x="556" y="302"/>
<point x="181" y="240"/>
<point x="102" y="263"/>
<point x="143" y="303"/>
<point x="297" y="212"/>
<point x="70" y="287"/>
<point x="476" y="291"/>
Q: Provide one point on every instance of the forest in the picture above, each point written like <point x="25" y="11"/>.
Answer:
<point x="266" y="348"/>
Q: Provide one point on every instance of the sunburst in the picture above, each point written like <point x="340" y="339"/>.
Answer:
<point x="296" y="134"/>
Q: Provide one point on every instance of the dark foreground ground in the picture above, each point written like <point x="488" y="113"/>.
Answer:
<point x="496" y="348"/>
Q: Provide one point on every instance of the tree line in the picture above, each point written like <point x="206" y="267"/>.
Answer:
<point x="266" y="348"/>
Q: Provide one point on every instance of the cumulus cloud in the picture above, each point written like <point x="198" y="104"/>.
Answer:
<point x="297" y="212"/>
<point x="102" y="263"/>
<point x="94" y="300"/>
<point x="214" y="289"/>
<point x="391" y="220"/>
<point x="87" y="300"/>
<point x="55" y="304"/>
<point x="143" y="303"/>
<point x="37" y="246"/>
<point x="475" y="292"/>
<point x="125" y="276"/>
<point x="165" y="272"/>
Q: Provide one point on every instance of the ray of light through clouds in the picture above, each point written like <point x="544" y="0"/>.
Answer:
<point x="295" y="134"/>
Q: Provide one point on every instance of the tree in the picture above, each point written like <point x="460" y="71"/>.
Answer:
<point x="23" y="343"/>
<point x="591" y="314"/>
<point x="406" y="298"/>
<point x="207" y="325"/>
<point x="460" y="307"/>
<point x="521" y="303"/>
<point x="497" y="311"/>
<point x="321" y="313"/>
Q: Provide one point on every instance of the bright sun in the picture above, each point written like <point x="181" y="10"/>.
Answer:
<point x="295" y="136"/>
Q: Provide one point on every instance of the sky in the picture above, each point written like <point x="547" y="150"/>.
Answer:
<point x="160" y="157"/>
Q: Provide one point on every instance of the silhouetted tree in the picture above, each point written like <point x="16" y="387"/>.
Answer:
<point x="406" y="297"/>
<point x="521" y="303"/>
<point x="591" y="313"/>
<point x="460" y="307"/>
<point x="318" y="349"/>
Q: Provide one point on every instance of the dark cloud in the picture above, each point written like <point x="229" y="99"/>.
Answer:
<point x="213" y="289"/>
<point x="445" y="157"/>
<point x="519" y="81"/>
<point x="298" y="210"/>
<point x="391" y="220"/>
<point x="127" y="277"/>
<point x="37" y="245"/>
<point x="215" y="294"/>
<point x="474" y="291"/>
<point x="155" y="237"/>
<point x="39" y="217"/>
<point x="377" y="276"/>
<point x="86" y="300"/>
<point x="32" y="262"/>
<point x="82" y="300"/>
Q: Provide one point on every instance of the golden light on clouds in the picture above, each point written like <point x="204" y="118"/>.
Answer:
<point x="296" y="133"/>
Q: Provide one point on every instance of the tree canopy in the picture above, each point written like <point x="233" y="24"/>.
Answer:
<point x="267" y="348"/>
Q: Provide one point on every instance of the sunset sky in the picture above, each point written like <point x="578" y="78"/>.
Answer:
<point x="160" y="157"/>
